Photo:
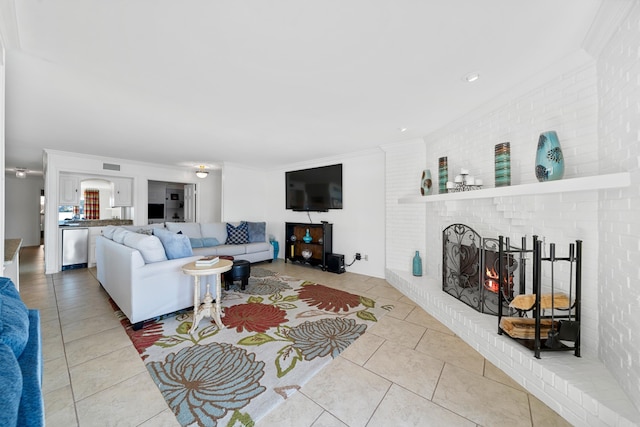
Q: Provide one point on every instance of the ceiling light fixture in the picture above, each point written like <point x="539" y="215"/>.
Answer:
<point x="21" y="173"/>
<point x="201" y="173"/>
<point x="402" y="129"/>
<point x="472" y="77"/>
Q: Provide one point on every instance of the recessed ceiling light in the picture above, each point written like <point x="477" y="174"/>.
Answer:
<point x="402" y="129"/>
<point x="472" y="77"/>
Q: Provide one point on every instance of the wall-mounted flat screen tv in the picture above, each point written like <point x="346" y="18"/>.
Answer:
<point x="155" y="210"/>
<point x="316" y="189"/>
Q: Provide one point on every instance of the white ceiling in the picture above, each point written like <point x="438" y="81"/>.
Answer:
<point x="263" y="82"/>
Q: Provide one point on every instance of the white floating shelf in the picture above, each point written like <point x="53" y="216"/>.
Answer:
<point x="599" y="182"/>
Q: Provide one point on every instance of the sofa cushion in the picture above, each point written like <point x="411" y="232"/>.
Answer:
<point x="256" y="231"/>
<point x="150" y="247"/>
<point x="175" y="245"/>
<point x="230" y="250"/>
<point x="237" y="235"/>
<point x="214" y="229"/>
<point x="257" y="247"/>
<point x="191" y="229"/>
<point x="119" y="233"/>
<point x="14" y="318"/>
<point x="11" y="386"/>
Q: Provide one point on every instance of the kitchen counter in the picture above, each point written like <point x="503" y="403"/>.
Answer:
<point x="12" y="260"/>
<point x="97" y="223"/>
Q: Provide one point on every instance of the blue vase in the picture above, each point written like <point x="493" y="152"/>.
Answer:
<point x="307" y="237"/>
<point x="426" y="184"/>
<point x="417" y="264"/>
<point x="549" y="159"/>
<point x="276" y="248"/>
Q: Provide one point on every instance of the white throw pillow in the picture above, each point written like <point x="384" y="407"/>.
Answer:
<point x="191" y="229"/>
<point x="108" y="231"/>
<point x="215" y="229"/>
<point x="150" y="247"/>
<point x="119" y="233"/>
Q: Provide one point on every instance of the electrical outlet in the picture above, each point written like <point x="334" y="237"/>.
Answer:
<point x="358" y="256"/>
<point x="366" y="257"/>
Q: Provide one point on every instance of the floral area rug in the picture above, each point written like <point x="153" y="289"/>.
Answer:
<point x="280" y="331"/>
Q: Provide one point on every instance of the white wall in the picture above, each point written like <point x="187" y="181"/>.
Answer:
<point x="358" y="227"/>
<point x="209" y="197"/>
<point x="22" y="216"/>
<point x="618" y="75"/>
<point x="243" y="193"/>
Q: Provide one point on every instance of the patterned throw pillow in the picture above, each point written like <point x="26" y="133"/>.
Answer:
<point x="237" y="235"/>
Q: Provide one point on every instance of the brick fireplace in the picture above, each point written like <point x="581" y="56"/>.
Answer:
<point x="591" y="116"/>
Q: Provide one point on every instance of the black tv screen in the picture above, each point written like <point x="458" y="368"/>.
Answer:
<point x="155" y="211"/>
<point x="316" y="189"/>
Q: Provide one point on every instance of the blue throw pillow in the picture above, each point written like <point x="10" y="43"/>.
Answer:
<point x="207" y="242"/>
<point x="196" y="242"/>
<point x="237" y="235"/>
<point x="257" y="231"/>
<point x="175" y="245"/>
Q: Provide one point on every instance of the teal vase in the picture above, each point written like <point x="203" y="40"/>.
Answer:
<point x="417" y="264"/>
<point x="443" y="174"/>
<point x="549" y="158"/>
<point x="426" y="184"/>
<point x="503" y="164"/>
<point x="276" y="248"/>
<point x="307" y="237"/>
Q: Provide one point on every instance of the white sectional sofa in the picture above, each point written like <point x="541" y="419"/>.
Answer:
<point x="143" y="275"/>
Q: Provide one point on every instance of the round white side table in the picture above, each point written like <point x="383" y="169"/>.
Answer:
<point x="208" y="307"/>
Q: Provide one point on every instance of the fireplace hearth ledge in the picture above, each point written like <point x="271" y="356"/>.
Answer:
<point x="581" y="389"/>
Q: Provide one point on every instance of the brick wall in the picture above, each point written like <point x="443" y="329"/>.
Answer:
<point x="405" y="227"/>
<point x="618" y="73"/>
<point x="566" y="104"/>
<point x="595" y="109"/>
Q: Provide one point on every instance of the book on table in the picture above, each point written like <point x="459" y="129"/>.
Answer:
<point x="207" y="261"/>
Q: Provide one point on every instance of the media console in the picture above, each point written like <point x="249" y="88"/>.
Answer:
<point x="319" y="247"/>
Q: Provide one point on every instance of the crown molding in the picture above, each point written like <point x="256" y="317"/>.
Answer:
<point x="605" y="24"/>
<point x="9" y="35"/>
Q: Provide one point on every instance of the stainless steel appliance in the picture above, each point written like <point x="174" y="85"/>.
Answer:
<point x="75" y="247"/>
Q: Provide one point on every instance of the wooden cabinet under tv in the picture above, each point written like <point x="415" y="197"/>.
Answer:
<point x="320" y="246"/>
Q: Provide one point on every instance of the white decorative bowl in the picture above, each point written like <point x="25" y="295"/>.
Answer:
<point x="306" y="254"/>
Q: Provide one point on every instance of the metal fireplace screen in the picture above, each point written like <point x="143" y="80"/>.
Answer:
<point x="470" y="269"/>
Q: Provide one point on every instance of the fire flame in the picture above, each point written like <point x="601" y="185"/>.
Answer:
<point x="492" y="282"/>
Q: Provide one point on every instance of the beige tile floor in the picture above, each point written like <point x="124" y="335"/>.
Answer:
<point x="407" y="370"/>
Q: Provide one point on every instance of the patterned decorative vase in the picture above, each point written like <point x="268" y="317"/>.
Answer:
<point x="417" y="264"/>
<point x="549" y="159"/>
<point x="503" y="164"/>
<point x="307" y="237"/>
<point x="443" y="174"/>
<point x="426" y="185"/>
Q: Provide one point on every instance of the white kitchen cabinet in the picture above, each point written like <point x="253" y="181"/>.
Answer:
<point x="94" y="232"/>
<point x="122" y="192"/>
<point x="69" y="193"/>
